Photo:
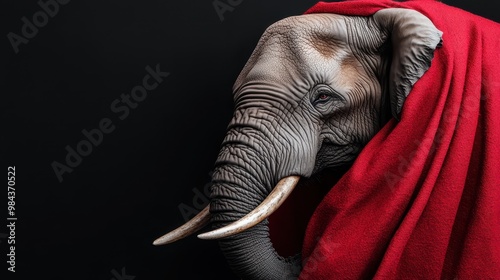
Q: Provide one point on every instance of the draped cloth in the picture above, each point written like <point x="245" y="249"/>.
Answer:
<point x="422" y="200"/>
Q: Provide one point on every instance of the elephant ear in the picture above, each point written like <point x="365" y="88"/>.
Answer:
<point x="413" y="38"/>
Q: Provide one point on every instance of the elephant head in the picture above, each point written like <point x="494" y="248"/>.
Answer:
<point x="315" y="90"/>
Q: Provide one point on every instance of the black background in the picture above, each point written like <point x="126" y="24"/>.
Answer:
<point x="102" y="218"/>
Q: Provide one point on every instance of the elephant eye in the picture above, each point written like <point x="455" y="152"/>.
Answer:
<point x="323" y="96"/>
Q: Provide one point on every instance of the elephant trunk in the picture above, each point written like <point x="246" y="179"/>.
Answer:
<point x="248" y="168"/>
<point x="249" y="253"/>
<point x="252" y="256"/>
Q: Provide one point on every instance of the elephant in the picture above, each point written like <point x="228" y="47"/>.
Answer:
<point x="314" y="91"/>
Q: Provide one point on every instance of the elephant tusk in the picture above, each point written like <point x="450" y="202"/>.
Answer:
<point x="193" y="225"/>
<point x="273" y="201"/>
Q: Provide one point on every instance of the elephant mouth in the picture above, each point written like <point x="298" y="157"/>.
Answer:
<point x="288" y="224"/>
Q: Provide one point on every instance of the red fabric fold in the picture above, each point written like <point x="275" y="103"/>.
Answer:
<point x="422" y="200"/>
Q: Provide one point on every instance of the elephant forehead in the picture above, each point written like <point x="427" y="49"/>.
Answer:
<point x="300" y="51"/>
<point x="303" y="40"/>
<point x="276" y="72"/>
<point x="296" y="29"/>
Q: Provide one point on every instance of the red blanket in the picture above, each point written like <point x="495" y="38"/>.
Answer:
<point x="422" y="200"/>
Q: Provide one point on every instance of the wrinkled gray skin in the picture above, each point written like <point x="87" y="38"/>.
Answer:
<point x="315" y="90"/>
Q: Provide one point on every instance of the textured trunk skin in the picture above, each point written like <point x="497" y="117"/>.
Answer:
<point x="250" y="254"/>
<point x="248" y="167"/>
